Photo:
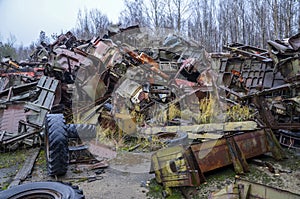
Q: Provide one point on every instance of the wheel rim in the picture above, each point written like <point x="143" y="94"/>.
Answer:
<point x="38" y="194"/>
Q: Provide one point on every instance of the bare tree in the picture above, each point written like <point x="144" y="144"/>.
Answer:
<point x="209" y="22"/>
<point x="90" y="24"/>
<point x="223" y="19"/>
<point x="156" y="13"/>
<point x="287" y="7"/>
<point x="298" y="16"/>
<point x="180" y="11"/>
<point x="83" y="29"/>
<point x="134" y="13"/>
<point x="7" y="49"/>
<point x="99" y="22"/>
<point x="274" y="7"/>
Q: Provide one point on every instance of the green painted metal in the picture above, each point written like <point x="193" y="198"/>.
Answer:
<point x="177" y="166"/>
<point x="244" y="189"/>
<point x="173" y="168"/>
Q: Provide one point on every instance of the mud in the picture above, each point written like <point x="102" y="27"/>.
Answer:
<point x="127" y="176"/>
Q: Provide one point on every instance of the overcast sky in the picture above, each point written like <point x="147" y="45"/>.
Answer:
<point x="26" y="18"/>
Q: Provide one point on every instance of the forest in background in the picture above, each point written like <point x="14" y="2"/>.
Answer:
<point x="211" y="23"/>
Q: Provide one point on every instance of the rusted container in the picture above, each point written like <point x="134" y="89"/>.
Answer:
<point x="174" y="167"/>
<point x="219" y="154"/>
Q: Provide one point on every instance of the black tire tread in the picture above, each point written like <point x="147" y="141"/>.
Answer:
<point x="66" y="190"/>
<point x="58" y="157"/>
<point x="83" y="131"/>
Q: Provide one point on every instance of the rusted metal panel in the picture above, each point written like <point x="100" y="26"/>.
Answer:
<point x="252" y="143"/>
<point x="211" y="155"/>
<point x="11" y="116"/>
<point x="217" y="153"/>
<point x="257" y="190"/>
<point x="106" y="52"/>
<point x="290" y="68"/>
<point x="176" y="166"/>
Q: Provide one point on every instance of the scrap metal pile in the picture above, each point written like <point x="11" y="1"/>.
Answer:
<point x="267" y="80"/>
<point x="215" y="109"/>
<point x="119" y="86"/>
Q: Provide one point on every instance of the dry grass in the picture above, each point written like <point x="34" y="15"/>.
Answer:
<point x="238" y="113"/>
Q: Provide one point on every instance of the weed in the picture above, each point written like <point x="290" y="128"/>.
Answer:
<point x="41" y="160"/>
<point x="238" y="113"/>
<point x="12" y="158"/>
<point x="5" y="186"/>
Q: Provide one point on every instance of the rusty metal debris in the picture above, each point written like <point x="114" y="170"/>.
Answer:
<point x="22" y="120"/>
<point x="177" y="166"/>
<point x="268" y="80"/>
<point x="229" y="105"/>
<point x="245" y="189"/>
<point x="250" y="77"/>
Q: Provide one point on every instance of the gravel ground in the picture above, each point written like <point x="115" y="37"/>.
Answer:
<point x="127" y="177"/>
<point x="117" y="185"/>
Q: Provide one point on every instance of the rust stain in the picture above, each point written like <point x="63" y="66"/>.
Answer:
<point x="251" y="144"/>
<point x="10" y="117"/>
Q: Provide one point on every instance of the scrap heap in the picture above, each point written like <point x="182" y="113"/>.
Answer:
<point x="154" y="80"/>
<point x="269" y="81"/>
<point x="215" y="109"/>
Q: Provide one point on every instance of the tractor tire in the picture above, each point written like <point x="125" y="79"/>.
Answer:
<point x="56" y="143"/>
<point x="42" y="190"/>
<point x="82" y="131"/>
